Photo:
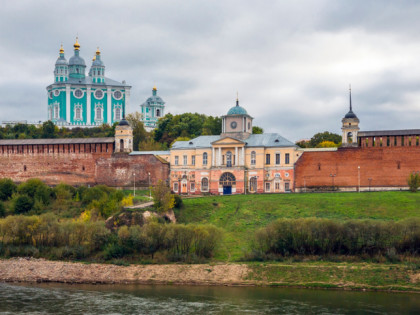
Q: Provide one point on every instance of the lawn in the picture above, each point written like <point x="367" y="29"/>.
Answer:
<point x="241" y="215"/>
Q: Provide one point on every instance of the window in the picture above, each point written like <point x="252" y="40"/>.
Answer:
<point x="78" y="113"/>
<point x="227" y="179"/>
<point x="175" y="187"/>
<point x="117" y="113"/>
<point x="98" y="113"/>
<point x="205" y="158"/>
<point x="99" y="94"/>
<point x="117" y="95"/>
<point x="267" y="159"/>
<point x="277" y="158"/>
<point x="229" y="159"/>
<point x="277" y="185"/>
<point x="56" y="111"/>
<point x="193" y="159"/>
<point x="287" y="186"/>
<point x="253" y="158"/>
<point x="192" y="187"/>
<point x="157" y="112"/>
<point x="176" y="160"/>
<point x="287" y="158"/>
<point x="78" y="93"/>
<point x="204" y="184"/>
<point x="50" y="113"/>
<point x="253" y="184"/>
<point x="185" y="157"/>
<point x="267" y="187"/>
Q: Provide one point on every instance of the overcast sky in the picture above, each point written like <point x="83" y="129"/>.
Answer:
<point x="290" y="61"/>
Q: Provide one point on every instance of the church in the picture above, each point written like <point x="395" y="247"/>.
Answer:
<point x="75" y="99"/>
<point x="234" y="162"/>
<point x="152" y="110"/>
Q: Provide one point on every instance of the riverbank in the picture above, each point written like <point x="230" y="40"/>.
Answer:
<point x="354" y="276"/>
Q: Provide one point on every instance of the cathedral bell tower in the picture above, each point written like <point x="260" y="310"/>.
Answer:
<point x="237" y="123"/>
<point x="123" y="137"/>
<point x="350" y="128"/>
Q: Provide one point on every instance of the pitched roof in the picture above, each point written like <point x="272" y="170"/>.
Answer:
<point x="259" y="140"/>
<point x="88" y="80"/>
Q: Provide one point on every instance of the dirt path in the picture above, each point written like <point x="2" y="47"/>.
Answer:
<point x="40" y="270"/>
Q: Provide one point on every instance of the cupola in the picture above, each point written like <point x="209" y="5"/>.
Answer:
<point x="61" y="67"/>
<point x="77" y="65"/>
<point x="237" y="123"/>
<point x="97" y="70"/>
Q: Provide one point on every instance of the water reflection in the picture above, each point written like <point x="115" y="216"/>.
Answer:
<point x="140" y="299"/>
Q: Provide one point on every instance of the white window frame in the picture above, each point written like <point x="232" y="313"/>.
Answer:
<point x="253" y="158"/>
<point x="176" y="162"/>
<point x="99" y="98"/>
<point x="101" y="107"/>
<point x="76" y="107"/>
<point x="287" y="186"/>
<point x="185" y="160"/>
<point x="56" y="110"/>
<point x="192" y="187"/>
<point x="205" y="158"/>
<point x="267" y="186"/>
<point x="78" y="97"/>
<point x="192" y="159"/>
<point x="208" y="184"/>
<point x="176" y="187"/>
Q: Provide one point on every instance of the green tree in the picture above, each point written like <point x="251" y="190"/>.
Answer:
<point x="327" y="144"/>
<point x="414" y="181"/>
<point x="257" y="130"/>
<point x="2" y="210"/>
<point x="162" y="197"/>
<point x="48" y="129"/>
<point x="139" y="133"/>
<point x="23" y="204"/>
<point x="7" y="188"/>
<point x="324" y="136"/>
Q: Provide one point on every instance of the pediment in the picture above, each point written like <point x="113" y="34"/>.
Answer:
<point x="227" y="140"/>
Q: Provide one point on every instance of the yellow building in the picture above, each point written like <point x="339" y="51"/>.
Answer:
<point x="236" y="159"/>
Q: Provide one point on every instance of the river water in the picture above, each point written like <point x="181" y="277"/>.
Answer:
<point x="142" y="299"/>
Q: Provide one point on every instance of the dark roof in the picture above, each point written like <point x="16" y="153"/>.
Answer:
<point x="350" y="114"/>
<point x="56" y="141"/>
<point x="377" y="133"/>
<point x="123" y="122"/>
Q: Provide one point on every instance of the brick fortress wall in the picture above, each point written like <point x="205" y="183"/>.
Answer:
<point x="79" y="164"/>
<point x="380" y="167"/>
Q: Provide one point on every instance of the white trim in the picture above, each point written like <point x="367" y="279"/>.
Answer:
<point x="99" y="98"/>
<point x="117" y="98"/>
<point x="88" y="106"/>
<point x="201" y="184"/>
<point x="78" y="89"/>
<point x="109" y="105"/>
<point x="68" y="102"/>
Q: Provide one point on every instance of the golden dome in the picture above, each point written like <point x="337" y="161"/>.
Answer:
<point x="61" y="49"/>
<point x="98" y="52"/>
<point x="154" y="88"/>
<point x="76" y="44"/>
<point x="94" y="58"/>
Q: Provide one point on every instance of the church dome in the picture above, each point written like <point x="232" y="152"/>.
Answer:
<point x="97" y="63"/>
<point x="76" y="61"/>
<point x="61" y="61"/>
<point x="123" y="122"/>
<point x="350" y="114"/>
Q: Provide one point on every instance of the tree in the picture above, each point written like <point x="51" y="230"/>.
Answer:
<point x="257" y="130"/>
<point x="23" y="204"/>
<point x="139" y="133"/>
<point x="414" y="181"/>
<point x="162" y="197"/>
<point x="7" y="188"/>
<point x="324" y="136"/>
<point x="2" y="210"/>
<point x="327" y="144"/>
<point x="48" y="129"/>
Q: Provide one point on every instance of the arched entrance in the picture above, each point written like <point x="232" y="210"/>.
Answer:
<point x="227" y="180"/>
<point x="121" y="145"/>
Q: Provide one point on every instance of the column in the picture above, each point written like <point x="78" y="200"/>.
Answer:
<point x="219" y="162"/>
<point x="88" y="106"/>
<point x="236" y="156"/>
<point x="67" y="103"/>
<point x="127" y="101"/>
<point x="213" y="157"/>
<point x="109" y="107"/>
<point x="243" y="156"/>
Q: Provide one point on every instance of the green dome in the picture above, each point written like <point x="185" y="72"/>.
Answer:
<point x="237" y="110"/>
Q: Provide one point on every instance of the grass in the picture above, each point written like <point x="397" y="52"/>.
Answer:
<point x="140" y="197"/>
<point x="335" y="275"/>
<point x="241" y="215"/>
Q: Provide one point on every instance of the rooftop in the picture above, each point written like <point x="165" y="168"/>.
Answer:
<point x="377" y="133"/>
<point x="56" y="141"/>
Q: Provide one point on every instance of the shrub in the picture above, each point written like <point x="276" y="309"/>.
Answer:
<point x="2" y="210"/>
<point x="178" y="203"/>
<point x="23" y="204"/>
<point x="7" y="188"/>
<point x="162" y="197"/>
<point x="414" y="182"/>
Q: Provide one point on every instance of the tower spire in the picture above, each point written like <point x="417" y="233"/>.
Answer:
<point x="237" y="98"/>
<point x="350" y="97"/>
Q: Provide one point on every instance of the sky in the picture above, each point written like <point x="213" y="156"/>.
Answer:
<point x="291" y="62"/>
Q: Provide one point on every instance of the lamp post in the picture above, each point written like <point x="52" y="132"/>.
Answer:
<point x="358" y="176"/>
<point x="134" y="184"/>
<point x="332" y="178"/>
<point x="150" y="188"/>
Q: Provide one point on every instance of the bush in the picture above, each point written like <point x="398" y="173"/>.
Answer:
<point x="162" y="197"/>
<point x="7" y="188"/>
<point x="178" y="203"/>
<point x="23" y="204"/>
<point x="414" y="182"/>
<point x="2" y="210"/>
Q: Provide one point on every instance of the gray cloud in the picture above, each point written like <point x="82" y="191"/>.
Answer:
<point x="290" y="61"/>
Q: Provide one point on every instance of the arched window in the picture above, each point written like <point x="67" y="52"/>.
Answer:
<point x="121" y="145"/>
<point x="229" y="159"/>
<point x="227" y="179"/>
<point x="350" y="137"/>
<point x="205" y="184"/>
<point x="98" y="113"/>
<point x="205" y="158"/>
<point x="117" y="113"/>
<point x="157" y="112"/>
<point x="253" y="157"/>
<point x="253" y="184"/>
<point x="78" y="113"/>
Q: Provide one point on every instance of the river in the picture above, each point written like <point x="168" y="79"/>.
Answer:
<point x="161" y="299"/>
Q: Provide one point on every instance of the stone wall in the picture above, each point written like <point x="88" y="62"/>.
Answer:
<point x="380" y="168"/>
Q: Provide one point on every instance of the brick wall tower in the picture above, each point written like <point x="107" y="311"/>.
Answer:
<point x="350" y="128"/>
<point x="123" y="137"/>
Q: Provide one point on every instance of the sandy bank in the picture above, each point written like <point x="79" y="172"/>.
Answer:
<point x="40" y="270"/>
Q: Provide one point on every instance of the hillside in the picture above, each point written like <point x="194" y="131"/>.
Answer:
<point x="241" y="215"/>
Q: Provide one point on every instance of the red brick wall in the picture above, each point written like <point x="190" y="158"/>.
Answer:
<point x="385" y="166"/>
<point x="82" y="168"/>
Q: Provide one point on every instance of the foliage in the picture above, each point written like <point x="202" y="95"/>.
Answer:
<point x="2" y="210"/>
<point x="23" y="204"/>
<point x="139" y="133"/>
<point x="187" y="125"/>
<point x="414" y="181"/>
<point x="257" y="130"/>
<point x="327" y="144"/>
<point x="7" y="188"/>
<point x="127" y="201"/>
<point x="312" y="236"/>
<point x="324" y="136"/>
<point x="162" y="197"/>
<point x="177" y="201"/>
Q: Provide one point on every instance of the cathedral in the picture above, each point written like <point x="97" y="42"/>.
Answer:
<point x="152" y="110"/>
<point x="75" y="99"/>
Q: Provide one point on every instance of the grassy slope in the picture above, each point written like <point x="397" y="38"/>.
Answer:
<point x="241" y="215"/>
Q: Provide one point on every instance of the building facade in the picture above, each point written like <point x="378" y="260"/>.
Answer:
<point x="234" y="162"/>
<point x="75" y="99"/>
<point x="152" y="110"/>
